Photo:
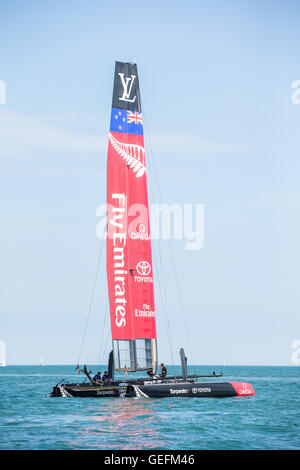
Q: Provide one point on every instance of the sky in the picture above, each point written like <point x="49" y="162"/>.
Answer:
<point x="216" y="81"/>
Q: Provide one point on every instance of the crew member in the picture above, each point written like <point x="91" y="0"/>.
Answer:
<point x="150" y="372"/>
<point x="97" y="377"/>
<point x="105" y="376"/>
<point x="163" y="370"/>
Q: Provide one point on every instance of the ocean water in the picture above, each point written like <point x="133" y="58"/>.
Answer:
<point x="29" y="419"/>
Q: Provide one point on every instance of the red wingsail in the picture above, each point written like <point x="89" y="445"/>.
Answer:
<point x="129" y="259"/>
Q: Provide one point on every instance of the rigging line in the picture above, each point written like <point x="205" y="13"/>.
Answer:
<point x="163" y="297"/>
<point x="170" y="247"/>
<point x="104" y="351"/>
<point x="164" y="303"/>
<point x="162" y="290"/>
<point x="164" y="306"/>
<point x="181" y="304"/>
<point x="169" y="241"/>
<point x="166" y="317"/>
<point x="91" y="301"/>
<point x="103" y="329"/>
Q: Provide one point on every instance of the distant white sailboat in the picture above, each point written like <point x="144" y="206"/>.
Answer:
<point x="2" y="354"/>
<point x="42" y="362"/>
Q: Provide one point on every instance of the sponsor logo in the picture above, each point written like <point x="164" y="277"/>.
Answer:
<point x="143" y="268"/>
<point x="141" y="234"/>
<point x="180" y="391"/>
<point x="105" y="392"/>
<point x="127" y="84"/>
<point x="142" y="279"/>
<point x="145" y="312"/>
<point x="117" y="221"/>
<point x="245" y="390"/>
<point x="201" y="390"/>
<point x="133" y="154"/>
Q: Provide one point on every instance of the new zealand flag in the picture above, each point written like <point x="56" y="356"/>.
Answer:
<point x="128" y="122"/>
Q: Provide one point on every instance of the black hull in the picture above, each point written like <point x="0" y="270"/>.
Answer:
<point x="86" y="390"/>
<point x="156" y="390"/>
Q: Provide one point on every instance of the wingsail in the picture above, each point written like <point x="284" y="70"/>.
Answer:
<point x="129" y="258"/>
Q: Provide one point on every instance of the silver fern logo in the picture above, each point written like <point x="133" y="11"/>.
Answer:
<point x="133" y="154"/>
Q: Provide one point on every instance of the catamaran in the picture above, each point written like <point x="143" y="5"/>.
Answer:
<point x="130" y="270"/>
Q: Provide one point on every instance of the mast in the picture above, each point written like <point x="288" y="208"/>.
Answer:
<point x="129" y="258"/>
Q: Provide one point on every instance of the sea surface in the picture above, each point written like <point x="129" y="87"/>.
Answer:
<point x="29" y="419"/>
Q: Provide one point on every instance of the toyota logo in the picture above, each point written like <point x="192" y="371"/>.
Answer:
<point x="143" y="268"/>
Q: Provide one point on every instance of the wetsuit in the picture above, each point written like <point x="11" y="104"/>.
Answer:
<point x="150" y="373"/>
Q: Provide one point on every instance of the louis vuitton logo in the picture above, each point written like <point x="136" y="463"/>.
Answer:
<point x="127" y="88"/>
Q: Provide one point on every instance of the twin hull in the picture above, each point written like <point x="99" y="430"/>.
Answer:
<point x="157" y="390"/>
